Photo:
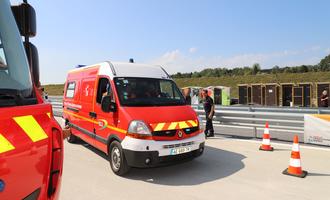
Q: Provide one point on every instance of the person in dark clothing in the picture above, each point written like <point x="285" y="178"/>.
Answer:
<point x="188" y="99"/>
<point x="209" y="112"/>
<point x="324" y="99"/>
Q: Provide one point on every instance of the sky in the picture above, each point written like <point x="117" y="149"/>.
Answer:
<point x="180" y="35"/>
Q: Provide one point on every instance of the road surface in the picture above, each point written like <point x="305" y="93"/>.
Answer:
<point x="229" y="169"/>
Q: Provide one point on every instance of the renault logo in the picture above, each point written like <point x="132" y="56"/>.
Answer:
<point x="180" y="134"/>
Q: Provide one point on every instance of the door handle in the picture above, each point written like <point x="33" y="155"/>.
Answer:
<point x="72" y="109"/>
<point x="92" y="115"/>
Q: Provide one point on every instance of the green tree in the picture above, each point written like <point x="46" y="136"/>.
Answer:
<point x="303" y="69"/>
<point x="275" y="69"/>
<point x="324" y="64"/>
<point x="255" y="68"/>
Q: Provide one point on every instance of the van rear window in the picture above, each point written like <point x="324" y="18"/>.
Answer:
<point x="70" y="90"/>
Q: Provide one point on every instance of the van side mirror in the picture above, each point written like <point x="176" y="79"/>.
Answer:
<point x="25" y="16"/>
<point x="33" y="59"/>
<point x="107" y="105"/>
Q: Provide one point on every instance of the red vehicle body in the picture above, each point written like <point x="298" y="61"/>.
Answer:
<point x="31" y="142"/>
<point x="132" y="112"/>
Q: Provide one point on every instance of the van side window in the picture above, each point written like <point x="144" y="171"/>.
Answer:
<point x="70" y="90"/>
<point x="103" y="89"/>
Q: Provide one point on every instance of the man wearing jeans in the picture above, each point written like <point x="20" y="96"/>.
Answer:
<point x="209" y="112"/>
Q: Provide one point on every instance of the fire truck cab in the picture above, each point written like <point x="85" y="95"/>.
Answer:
<point x="31" y="143"/>
<point x="134" y="113"/>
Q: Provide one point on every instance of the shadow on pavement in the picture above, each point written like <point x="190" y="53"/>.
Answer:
<point x="214" y="164"/>
<point x="279" y="149"/>
<point x="317" y="174"/>
<point x="91" y="148"/>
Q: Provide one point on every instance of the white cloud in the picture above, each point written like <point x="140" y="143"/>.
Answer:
<point x="192" y="50"/>
<point x="176" y="61"/>
<point x="327" y="50"/>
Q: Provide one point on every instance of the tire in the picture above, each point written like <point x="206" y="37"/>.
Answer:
<point x="72" y="139"/>
<point x="117" y="159"/>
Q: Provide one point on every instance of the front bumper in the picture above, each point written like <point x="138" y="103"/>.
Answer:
<point x="150" y="153"/>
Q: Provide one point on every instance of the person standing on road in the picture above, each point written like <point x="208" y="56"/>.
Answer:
<point x="188" y="99"/>
<point x="209" y="112"/>
<point x="324" y="99"/>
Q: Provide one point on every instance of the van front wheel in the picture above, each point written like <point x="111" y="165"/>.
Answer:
<point x="117" y="159"/>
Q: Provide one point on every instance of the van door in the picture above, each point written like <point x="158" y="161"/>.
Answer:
<point x="86" y="113"/>
<point x="217" y="96"/>
<point x="71" y="104"/>
<point x="104" y="120"/>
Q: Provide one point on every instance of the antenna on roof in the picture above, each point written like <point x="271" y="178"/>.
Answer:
<point x="131" y="60"/>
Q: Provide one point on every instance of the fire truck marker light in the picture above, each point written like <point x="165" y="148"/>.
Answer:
<point x="2" y="185"/>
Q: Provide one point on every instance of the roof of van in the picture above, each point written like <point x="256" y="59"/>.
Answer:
<point x="122" y="69"/>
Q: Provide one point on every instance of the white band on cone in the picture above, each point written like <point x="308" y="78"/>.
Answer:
<point x="266" y="141"/>
<point x="295" y="147"/>
<point x="266" y="131"/>
<point x="295" y="162"/>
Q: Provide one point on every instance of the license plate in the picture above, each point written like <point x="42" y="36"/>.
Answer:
<point x="180" y="150"/>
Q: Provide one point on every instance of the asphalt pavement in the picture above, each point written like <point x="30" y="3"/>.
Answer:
<point x="229" y="169"/>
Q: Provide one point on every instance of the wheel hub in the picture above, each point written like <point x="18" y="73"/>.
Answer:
<point x="115" y="158"/>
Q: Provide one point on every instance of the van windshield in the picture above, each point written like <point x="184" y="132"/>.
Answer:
<point x="148" y="92"/>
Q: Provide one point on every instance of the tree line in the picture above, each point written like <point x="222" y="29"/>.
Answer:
<point x="323" y="66"/>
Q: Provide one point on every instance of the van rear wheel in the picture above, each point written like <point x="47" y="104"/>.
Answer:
<point x="117" y="159"/>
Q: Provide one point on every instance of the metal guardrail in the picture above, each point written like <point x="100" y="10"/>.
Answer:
<point x="247" y="121"/>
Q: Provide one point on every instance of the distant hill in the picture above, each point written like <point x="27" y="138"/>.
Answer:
<point x="232" y="81"/>
<point x="54" y="89"/>
<point x="322" y="66"/>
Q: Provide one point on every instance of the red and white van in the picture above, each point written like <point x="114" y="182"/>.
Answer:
<point x="134" y="113"/>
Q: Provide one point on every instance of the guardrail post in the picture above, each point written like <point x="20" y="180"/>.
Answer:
<point x="250" y="109"/>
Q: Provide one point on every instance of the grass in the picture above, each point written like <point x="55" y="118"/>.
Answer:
<point x="54" y="89"/>
<point x="232" y="81"/>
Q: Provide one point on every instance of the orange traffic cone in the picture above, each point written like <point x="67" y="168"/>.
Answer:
<point x="295" y="165"/>
<point x="265" y="146"/>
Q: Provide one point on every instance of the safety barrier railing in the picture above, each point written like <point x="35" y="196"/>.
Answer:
<point x="247" y="121"/>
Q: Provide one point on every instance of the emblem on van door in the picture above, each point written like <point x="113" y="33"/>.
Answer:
<point x="86" y="90"/>
<point x="180" y="134"/>
<point x="103" y="124"/>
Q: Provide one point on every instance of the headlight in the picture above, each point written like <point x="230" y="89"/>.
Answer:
<point x="138" y="127"/>
<point x="200" y="122"/>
